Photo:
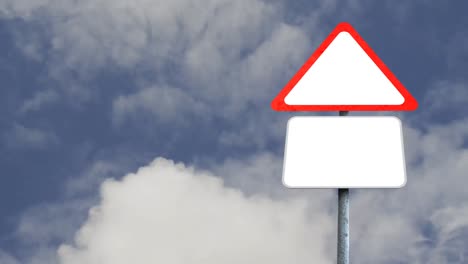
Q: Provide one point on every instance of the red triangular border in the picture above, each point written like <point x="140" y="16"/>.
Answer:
<point x="278" y="103"/>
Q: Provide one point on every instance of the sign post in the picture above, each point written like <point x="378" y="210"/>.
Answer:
<point x="343" y="222"/>
<point x="344" y="74"/>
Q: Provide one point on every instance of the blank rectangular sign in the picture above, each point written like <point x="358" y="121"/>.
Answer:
<point x="344" y="152"/>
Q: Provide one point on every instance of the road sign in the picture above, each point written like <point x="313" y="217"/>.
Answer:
<point x="344" y="74"/>
<point x="344" y="152"/>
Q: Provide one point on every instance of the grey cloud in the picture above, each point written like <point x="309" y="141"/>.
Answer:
<point x="22" y="8"/>
<point x="20" y="136"/>
<point x="451" y="224"/>
<point x="166" y="104"/>
<point x="7" y="259"/>
<point x="43" y="227"/>
<point x="228" y="55"/>
<point x="258" y="173"/>
<point x="447" y="97"/>
<point x="38" y="100"/>
<point x="393" y="220"/>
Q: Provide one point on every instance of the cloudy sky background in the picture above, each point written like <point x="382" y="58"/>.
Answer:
<point x="141" y="132"/>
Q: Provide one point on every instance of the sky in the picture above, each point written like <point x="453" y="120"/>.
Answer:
<point x="141" y="132"/>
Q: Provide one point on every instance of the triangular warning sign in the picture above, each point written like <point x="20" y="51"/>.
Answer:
<point x="344" y="74"/>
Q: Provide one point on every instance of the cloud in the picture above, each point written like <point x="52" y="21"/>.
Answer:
<point x="446" y="98"/>
<point x="38" y="100"/>
<point x="41" y="228"/>
<point x="20" y="136"/>
<point x="177" y="208"/>
<point x="165" y="104"/>
<point x="230" y="67"/>
<point x="226" y="55"/>
<point x="7" y="259"/>
<point x="45" y="223"/>
<point x="261" y="173"/>
<point x="395" y="222"/>
<point x="391" y="222"/>
<point x="22" y="8"/>
<point x="451" y="224"/>
<point x="171" y="213"/>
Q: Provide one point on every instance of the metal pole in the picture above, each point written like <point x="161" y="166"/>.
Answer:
<point x="343" y="221"/>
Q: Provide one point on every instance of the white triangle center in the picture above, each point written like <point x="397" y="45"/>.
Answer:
<point x="344" y="75"/>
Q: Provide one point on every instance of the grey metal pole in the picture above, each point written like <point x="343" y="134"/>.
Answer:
<point x="343" y="221"/>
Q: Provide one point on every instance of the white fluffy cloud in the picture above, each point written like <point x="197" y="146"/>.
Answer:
<point x="166" y="208"/>
<point x="170" y="213"/>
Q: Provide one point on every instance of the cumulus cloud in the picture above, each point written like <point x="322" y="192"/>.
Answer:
<point x="171" y="213"/>
<point x="240" y="211"/>
<point x="173" y="207"/>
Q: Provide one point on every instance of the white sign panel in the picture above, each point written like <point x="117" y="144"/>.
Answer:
<point x="344" y="75"/>
<point x="344" y="152"/>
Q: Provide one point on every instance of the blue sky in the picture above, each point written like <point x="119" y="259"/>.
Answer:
<point x="95" y="90"/>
